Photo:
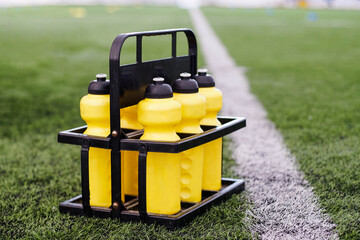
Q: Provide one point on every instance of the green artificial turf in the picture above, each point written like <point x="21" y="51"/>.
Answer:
<point x="304" y="65"/>
<point x="48" y="58"/>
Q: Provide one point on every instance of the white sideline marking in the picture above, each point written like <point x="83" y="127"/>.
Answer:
<point x="284" y="204"/>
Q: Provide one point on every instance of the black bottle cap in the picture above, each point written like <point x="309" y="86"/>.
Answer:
<point x="100" y="86"/>
<point x="185" y="84"/>
<point x="158" y="89"/>
<point x="204" y="79"/>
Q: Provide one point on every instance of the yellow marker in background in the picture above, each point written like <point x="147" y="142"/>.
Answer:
<point x="112" y="9"/>
<point x="77" y="12"/>
<point x="302" y="4"/>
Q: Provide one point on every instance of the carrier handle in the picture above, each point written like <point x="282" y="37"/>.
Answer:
<point x="119" y="41"/>
<point x="115" y="78"/>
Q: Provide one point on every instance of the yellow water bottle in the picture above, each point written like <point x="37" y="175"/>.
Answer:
<point x="95" y="111"/>
<point x="186" y="92"/>
<point x="213" y="149"/>
<point x="129" y="120"/>
<point x="159" y="113"/>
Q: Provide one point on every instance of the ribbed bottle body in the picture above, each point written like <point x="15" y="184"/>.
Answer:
<point x="212" y="150"/>
<point x="192" y="111"/>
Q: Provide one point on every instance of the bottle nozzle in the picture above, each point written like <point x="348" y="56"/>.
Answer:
<point x="202" y="71"/>
<point x="158" y="80"/>
<point x="101" y="77"/>
<point x="185" y="75"/>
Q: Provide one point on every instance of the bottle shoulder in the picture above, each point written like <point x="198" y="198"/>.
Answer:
<point x="95" y="100"/>
<point x="161" y="104"/>
<point x="210" y="92"/>
<point x="191" y="99"/>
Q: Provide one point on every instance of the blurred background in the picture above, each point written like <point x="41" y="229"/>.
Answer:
<point x="339" y="4"/>
<point x="302" y="59"/>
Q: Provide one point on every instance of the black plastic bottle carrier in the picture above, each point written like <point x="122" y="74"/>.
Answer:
<point x="127" y="86"/>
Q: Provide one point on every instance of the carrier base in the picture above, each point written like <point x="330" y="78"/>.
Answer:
<point x="188" y="210"/>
